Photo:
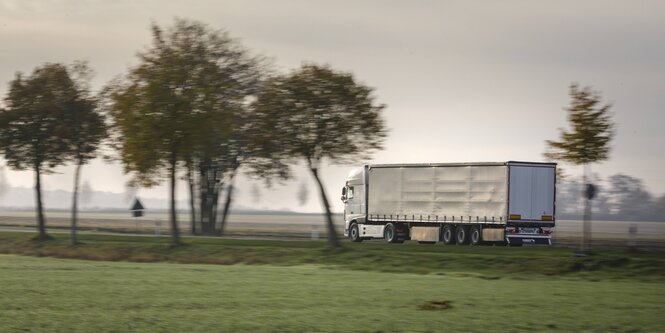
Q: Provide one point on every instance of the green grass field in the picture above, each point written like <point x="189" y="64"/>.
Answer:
<point x="300" y="286"/>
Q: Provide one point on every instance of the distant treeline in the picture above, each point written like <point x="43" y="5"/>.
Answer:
<point x="618" y="198"/>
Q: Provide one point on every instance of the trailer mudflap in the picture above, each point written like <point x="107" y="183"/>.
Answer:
<point x="402" y="232"/>
<point x="529" y="239"/>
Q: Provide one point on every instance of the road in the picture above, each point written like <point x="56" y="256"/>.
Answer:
<point x="307" y="226"/>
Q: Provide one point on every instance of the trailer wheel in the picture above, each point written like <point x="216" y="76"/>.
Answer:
<point x="461" y="234"/>
<point x="389" y="233"/>
<point x="474" y="235"/>
<point x="448" y="234"/>
<point x="354" y="233"/>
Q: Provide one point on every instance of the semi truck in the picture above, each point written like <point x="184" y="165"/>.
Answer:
<point x="455" y="203"/>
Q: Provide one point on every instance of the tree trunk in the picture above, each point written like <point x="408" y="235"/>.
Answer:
<point x="209" y="185"/>
<point x="213" y="209"/>
<point x="585" y="247"/>
<point x="332" y="234"/>
<point x="204" y="199"/>
<point x="227" y="204"/>
<point x="175" y="233"/>
<point x="41" y="224"/>
<point x="192" y="207"/>
<point x="72" y="231"/>
<point x="214" y="202"/>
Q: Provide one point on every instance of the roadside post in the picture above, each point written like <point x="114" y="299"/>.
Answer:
<point x="589" y="193"/>
<point x="632" y="235"/>
<point x="315" y="232"/>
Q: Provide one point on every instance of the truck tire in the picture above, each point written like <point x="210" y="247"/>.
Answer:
<point x="389" y="233"/>
<point x="448" y="234"/>
<point x="462" y="234"/>
<point x="475" y="237"/>
<point x="354" y="233"/>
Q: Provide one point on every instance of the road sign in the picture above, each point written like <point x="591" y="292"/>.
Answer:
<point x="590" y="191"/>
<point x="137" y="209"/>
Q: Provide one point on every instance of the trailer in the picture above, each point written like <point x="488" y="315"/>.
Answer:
<point x="454" y="203"/>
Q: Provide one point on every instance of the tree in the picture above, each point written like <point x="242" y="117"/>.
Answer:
<point x="234" y="153"/>
<point x="303" y="193"/>
<point x="234" y="148"/>
<point x="629" y="199"/>
<point x="314" y="114"/>
<point x="587" y="142"/>
<point x="87" y="193"/>
<point x="176" y="106"/>
<point x="658" y="209"/>
<point x="220" y="147"/>
<point x="4" y="185"/>
<point x="569" y="196"/>
<point x="619" y="198"/>
<point x="255" y="193"/>
<point x="33" y="134"/>
<point x="86" y="130"/>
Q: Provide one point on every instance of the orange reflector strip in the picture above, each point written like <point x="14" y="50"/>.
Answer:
<point x="547" y="218"/>
<point x="515" y="216"/>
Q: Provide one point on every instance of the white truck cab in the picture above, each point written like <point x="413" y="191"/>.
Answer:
<point x="353" y="196"/>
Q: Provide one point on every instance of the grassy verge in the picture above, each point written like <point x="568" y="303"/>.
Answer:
<point x="374" y="256"/>
<point x="56" y="295"/>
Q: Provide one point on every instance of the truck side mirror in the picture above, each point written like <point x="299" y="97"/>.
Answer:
<point x="344" y="194"/>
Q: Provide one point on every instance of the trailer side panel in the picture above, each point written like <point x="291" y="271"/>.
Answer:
<point x="460" y="193"/>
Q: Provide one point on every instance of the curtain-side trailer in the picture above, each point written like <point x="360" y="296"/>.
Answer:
<point x="463" y="203"/>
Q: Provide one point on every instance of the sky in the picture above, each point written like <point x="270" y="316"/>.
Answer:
<point x="463" y="81"/>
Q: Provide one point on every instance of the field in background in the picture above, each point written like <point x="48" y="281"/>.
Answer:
<point x="306" y="226"/>
<point x="304" y="286"/>
<point x="282" y="225"/>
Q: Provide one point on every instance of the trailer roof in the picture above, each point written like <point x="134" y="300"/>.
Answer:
<point x="420" y="165"/>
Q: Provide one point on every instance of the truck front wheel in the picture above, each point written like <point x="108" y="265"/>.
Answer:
<point x="354" y="233"/>
<point x="461" y="234"/>
<point x="448" y="234"/>
<point x="389" y="233"/>
<point x="474" y="235"/>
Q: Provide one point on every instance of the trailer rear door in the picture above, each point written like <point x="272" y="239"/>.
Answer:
<point x="531" y="196"/>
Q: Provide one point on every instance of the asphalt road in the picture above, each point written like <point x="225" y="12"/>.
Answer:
<point x="310" y="226"/>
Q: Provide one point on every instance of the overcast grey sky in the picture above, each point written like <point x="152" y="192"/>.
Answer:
<point x="464" y="81"/>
